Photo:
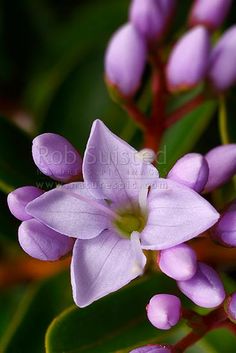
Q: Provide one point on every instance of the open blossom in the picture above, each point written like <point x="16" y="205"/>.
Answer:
<point x="120" y="208"/>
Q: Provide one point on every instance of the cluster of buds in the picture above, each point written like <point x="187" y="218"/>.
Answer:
<point x="191" y="60"/>
<point x="197" y="280"/>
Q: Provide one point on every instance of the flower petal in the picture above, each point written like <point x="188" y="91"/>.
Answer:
<point x="101" y="266"/>
<point x="112" y="168"/>
<point x="176" y="214"/>
<point x="70" y="210"/>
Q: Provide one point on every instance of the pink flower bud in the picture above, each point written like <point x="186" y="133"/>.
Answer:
<point x="189" y="60"/>
<point x="222" y="166"/>
<point x="151" y="17"/>
<point x="125" y="60"/>
<point x="230" y="307"/>
<point x="205" y="288"/>
<point x="43" y="243"/>
<point x="209" y="13"/>
<point x="191" y="170"/>
<point x="56" y="157"/>
<point x="222" y="68"/>
<point x="179" y="262"/>
<point x="18" y="199"/>
<point x="164" y="311"/>
<point x="152" y="349"/>
<point x="225" y="230"/>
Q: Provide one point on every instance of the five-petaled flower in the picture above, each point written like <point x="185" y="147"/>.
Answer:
<point x="121" y="208"/>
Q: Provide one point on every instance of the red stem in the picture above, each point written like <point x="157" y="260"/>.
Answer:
<point x="183" y="110"/>
<point x="216" y="319"/>
<point x="136" y="114"/>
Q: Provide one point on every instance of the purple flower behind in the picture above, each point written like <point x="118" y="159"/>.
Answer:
<point x="230" y="307"/>
<point x="188" y="62"/>
<point x="222" y="166"/>
<point x="225" y="230"/>
<point x="210" y="13"/>
<point x="222" y="68"/>
<point x="125" y="60"/>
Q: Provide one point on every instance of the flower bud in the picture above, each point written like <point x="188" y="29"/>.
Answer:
<point x="205" y="288"/>
<point x="179" y="262"/>
<point x="209" y="13"/>
<point x="56" y="157"/>
<point x="191" y="170"/>
<point x="222" y="165"/>
<point x="230" y="307"/>
<point x="125" y="60"/>
<point x="189" y="60"/>
<point x="43" y="243"/>
<point x="164" y="311"/>
<point x="222" y="68"/>
<point x="151" y="17"/>
<point x="225" y="230"/>
<point x="18" y="199"/>
<point x="152" y="349"/>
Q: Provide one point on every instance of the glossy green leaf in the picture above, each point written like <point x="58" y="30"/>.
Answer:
<point x="16" y="164"/>
<point x="115" y="323"/>
<point x="182" y="136"/>
<point x="41" y="302"/>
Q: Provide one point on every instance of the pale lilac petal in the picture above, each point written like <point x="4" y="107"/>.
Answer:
<point x="101" y="266"/>
<point x="43" y="243"/>
<point x="205" y="288"/>
<point x="176" y="215"/>
<point x="222" y="165"/>
<point x="112" y="169"/>
<point x="164" y="311"/>
<point x="18" y="199"/>
<point x="179" y="262"/>
<point x="191" y="170"/>
<point x="56" y="157"/>
<point x="152" y="349"/>
<point x="71" y="211"/>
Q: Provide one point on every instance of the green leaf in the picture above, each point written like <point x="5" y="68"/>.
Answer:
<point x="115" y="323"/>
<point x="16" y="164"/>
<point x="41" y="302"/>
<point x="182" y="136"/>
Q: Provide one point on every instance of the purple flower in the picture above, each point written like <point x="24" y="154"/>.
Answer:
<point x="222" y="165"/>
<point x="205" y="288"/>
<point x="164" y="311"/>
<point x="125" y="60"/>
<point x="150" y="17"/>
<point x="230" y="307"/>
<point x="179" y="262"/>
<point x="225" y="230"/>
<point x="43" y="243"/>
<point x="121" y="208"/>
<point x="191" y="170"/>
<point x="222" y="68"/>
<point x="210" y="13"/>
<point x="18" y="199"/>
<point x="152" y="349"/>
<point x="189" y="60"/>
<point x="56" y="157"/>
